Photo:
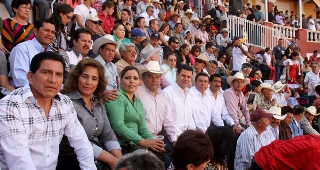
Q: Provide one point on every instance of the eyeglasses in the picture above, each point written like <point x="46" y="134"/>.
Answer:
<point x="132" y="51"/>
<point x="176" y="42"/>
<point x="198" y="51"/>
<point x="26" y="8"/>
<point x="152" y="11"/>
<point x="69" y="17"/>
<point x="173" y="60"/>
<point x="199" y="61"/>
<point x="96" y="22"/>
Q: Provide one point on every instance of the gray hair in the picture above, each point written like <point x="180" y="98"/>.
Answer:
<point x="140" y="159"/>
<point x="149" y="7"/>
<point x="123" y="47"/>
<point x="161" y="12"/>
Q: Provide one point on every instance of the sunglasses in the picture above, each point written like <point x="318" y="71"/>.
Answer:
<point x="198" y="51"/>
<point x="199" y="61"/>
<point x="96" y="22"/>
<point x="176" y="42"/>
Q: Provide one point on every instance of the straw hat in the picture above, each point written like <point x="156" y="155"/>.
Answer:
<point x="278" y="86"/>
<point x="267" y="86"/>
<point x="312" y="110"/>
<point x="173" y="15"/>
<point x="188" y="11"/>
<point x="238" y="75"/>
<point x="106" y="39"/>
<point x="147" y="52"/>
<point x="276" y="111"/>
<point x="180" y="2"/>
<point x="204" y="58"/>
<point x="194" y="19"/>
<point x="224" y="30"/>
<point x="152" y="66"/>
<point x="207" y="17"/>
<point x="156" y="1"/>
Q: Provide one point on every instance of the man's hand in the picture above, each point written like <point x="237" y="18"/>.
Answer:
<point x="174" y="143"/>
<point x="111" y="95"/>
<point x="236" y="129"/>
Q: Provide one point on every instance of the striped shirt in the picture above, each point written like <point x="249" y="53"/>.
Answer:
<point x="30" y="140"/>
<point x="248" y="144"/>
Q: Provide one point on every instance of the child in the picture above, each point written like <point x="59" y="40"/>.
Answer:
<point x="292" y="101"/>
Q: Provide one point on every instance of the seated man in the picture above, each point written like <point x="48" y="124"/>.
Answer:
<point x="128" y="56"/>
<point x="39" y="117"/>
<point x="250" y="140"/>
<point x="284" y="129"/>
<point x="169" y="67"/>
<point x="148" y="15"/>
<point x="307" y="120"/>
<point x="22" y="54"/>
<point x="295" y="123"/>
<point x="272" y="132"/>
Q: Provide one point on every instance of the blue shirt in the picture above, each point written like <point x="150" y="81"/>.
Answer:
<point x="20" y="60"/>
<point x="171" y="24"/>
<point x="295" y="128"/>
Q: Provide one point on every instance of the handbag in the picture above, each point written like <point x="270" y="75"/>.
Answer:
<point x="99" y="164"/>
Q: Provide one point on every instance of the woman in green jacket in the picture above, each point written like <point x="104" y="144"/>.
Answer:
<point x="126" y="115"/>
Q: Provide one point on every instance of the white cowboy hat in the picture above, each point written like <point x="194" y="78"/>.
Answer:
<point x="147" y="52"/>
<point x="278" y="86"/>
<point x="156" y="1"/>
<point x="276" y="111"/>
<point x="204" y="58"/>
<point x="106" y="39"/>
<point x="224" y="30"/>
<point x="267" y="86"/>
<point x="152" y="66"/>
<point x="238" y="75"/>
<point x="188" y="11"/>
<point x="93" y="17"/>
<point x="207" y="17"/>
<point x="180" y="2"/>
<point x="312" y="110"/>
<point x="194" y="19"/>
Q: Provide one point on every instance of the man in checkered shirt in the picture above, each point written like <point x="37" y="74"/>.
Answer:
<point x="34" y="118"/>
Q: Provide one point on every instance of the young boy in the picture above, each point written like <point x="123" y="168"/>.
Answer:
<point x="106" y="17"/>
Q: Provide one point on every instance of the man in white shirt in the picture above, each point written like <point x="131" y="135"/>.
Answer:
<point x="252" y="139"/>
<point x="239" y="56"/>
<point x="209" y="51"/>
<point x="311" y="24"/>
<point x="82" y="44"/>
<point x="82" y="11"/>
<point x="272" y="132"/>
<point x="281" y="99"/>
<point x="311" y="80"/>
<point x="34" y="118"/>
<point x="169" y="67"/>
<point x="279" y="19"/>
<point x="177" y="94"/>
<point x="157" y="7"/>
<point x="202" y="104"/>
<point x="148" y="15"/>
<point x="219" y="112"/>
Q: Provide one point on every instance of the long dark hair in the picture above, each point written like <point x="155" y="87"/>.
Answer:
<point x="136" y="22"/>
<point x="56" y="18"/>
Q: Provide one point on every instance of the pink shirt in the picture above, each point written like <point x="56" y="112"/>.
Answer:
<point x="233" y="99"/>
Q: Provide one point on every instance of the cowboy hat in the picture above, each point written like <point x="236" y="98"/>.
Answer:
<point x="152" y="66"/>
<point x="312" y="110"/>
<point x="276" y="111"/>
<point x="147" y="52"/>
<point x="224" y="30"/>
<point x="156" y="1"/>
<point x="93" y="17"/>
<point x="204" y="58"/>
<point x="106" y="39"/>
<point x="278" y="86"/>
<point x="173" y="15"/>
<point x="194" y="19"/>
<point x="207" y="17"/>
<point x="267" y="86"/>
<point x="238" y="75"/>
<point x="188" y="11"/>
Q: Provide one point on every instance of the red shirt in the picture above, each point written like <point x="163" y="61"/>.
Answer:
<point x="314" y="58"/>
<point x="107" y="22"/>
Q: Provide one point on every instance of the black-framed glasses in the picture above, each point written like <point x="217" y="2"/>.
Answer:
<point x="176" y="42"/>
<point x="96" y="22"/>
<point x="199" y="61"/>
<point x="69" y="17"/>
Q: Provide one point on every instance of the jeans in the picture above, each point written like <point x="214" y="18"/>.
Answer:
<point x="278" y="69"/>
<point x="311" y="99"/>
<point x="224" y="84"/>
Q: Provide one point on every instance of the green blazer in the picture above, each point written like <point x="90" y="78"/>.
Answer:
<point x="127" y="119"/>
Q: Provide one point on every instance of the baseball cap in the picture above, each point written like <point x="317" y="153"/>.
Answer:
<point x="93" y="17"/>
<point x="136" y="32"/>
<point x="155" y="36"/>
<point x="259" y="114"/>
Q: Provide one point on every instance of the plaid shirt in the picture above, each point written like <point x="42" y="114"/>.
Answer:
<point x="97" y="5"/>
<point x="29" y="140"/>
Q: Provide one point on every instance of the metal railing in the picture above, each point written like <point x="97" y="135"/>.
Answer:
<point x="313" y="35"/>
<point x="286" y="30"/>
<point x="257" y="35"/>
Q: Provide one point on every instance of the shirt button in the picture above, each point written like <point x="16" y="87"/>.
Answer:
<point x="94" y="118"/>
<point x="96" y="128"/>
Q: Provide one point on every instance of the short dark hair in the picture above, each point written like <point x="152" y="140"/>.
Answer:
<point x="79" y="31"/>
<point x="169" y="54"/>
<point x="213" y="76"/>
<point x="185" y="67"/>
<point x="47" y="55"/>
<point x="152" y="22"/>
<point x="197" y="40"/>
<point x="128" y="68"/>
<point x="195" y="142"/>
<point x="223" y="140"/>
<point x="127" y="10"/>
<point x="107" y="4"/>
<point x="286" y="109"/>
<point x="172" y="39"/>
<point x="17" y="3"/>
<point x="201" y="74"/>
<point x="39" y="23"/>
<point x="220" y="55"/>
<point x="298" y="109"/>
<point x="177" y="24"/>
<point x="213" y="62"/>
<point x="267" y="49"/>
<point x="315" y="51"/>
<point x="317" y="89"/>
<point x="209" y="45"/>
<point x="258" y="7"/>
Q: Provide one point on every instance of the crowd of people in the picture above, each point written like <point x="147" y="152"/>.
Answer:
<point x="133" y="86"/>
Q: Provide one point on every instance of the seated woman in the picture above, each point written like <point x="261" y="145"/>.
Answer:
<point x="17" y="29"/>
<point x="264" y="99"/>
<point x="292" y="100"/>
<point x="165" y="33"/>
<point x="194" y="142"/>
<point x="195" y="52"/>
<point x="140" y="23"/>
<point x="223" y="68"/>
<point x="86" y="86"/>
<point x="126" y="115"/>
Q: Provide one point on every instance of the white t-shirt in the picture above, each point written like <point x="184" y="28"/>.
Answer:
<point x="268" y="59"/>
<point x="83" y="11"/>
<point x="279" y="19"/>
<point x="311" y="25"/>
<point x="238" y="57"/>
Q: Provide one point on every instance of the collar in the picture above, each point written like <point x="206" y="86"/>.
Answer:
<point x="38" y="46"/>
<point x="76" y="52"/>
<point x="184" y="91"/>
<point x="237" y="93"/>
<point x="28" y="94"/>
<point x="146" y="89"/>
<point x="76" y="95"/>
